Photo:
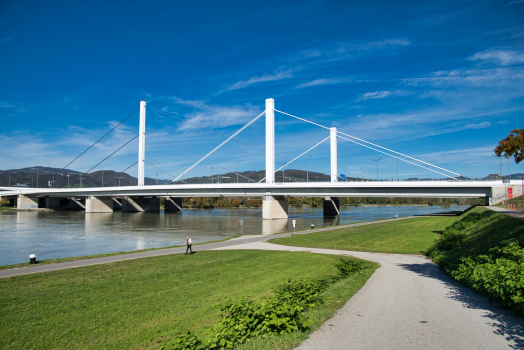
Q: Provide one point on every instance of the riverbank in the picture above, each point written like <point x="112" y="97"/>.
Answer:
<point x="125" y="305"/>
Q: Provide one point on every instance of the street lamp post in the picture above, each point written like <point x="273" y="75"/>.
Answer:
<point x="238" y="160"/>
<point x="362" y="171"/>
<point x="67" y="181"/>
<point x="283" y="170"/>
<point x="119" y="177"/>
<point x="307" y="166"/>
<point x="509" y="170"/>
<point x="81" y="181"/>
<point x="397" y="166"/>
<point x="376" y="160"/>
<point x="156" y="178"/>
<point x="500" y="165"/>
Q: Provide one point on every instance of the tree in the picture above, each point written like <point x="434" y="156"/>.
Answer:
<point x="513" y="145"/>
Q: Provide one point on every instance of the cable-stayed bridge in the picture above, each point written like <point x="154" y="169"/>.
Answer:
<point x="147" y="198"/>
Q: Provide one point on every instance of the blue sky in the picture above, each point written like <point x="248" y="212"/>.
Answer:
<point x="439" y="81"/>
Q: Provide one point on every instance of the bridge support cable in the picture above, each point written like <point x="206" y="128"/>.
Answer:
<point x="194" y="155"/>
<point x="234" y="139"/>
<point x="120" y="173"/>
<point x="100" y="139"/>
<point x="404" y="155"/>
<point x="204" y="128"/>
<point x="223" y="143"/>
<point x="294" y="159"/>
<point x="407" y="161"/>
<point x="387" y="149"/>
<point x="159" y="168"/>
<point x="111" y="154"/>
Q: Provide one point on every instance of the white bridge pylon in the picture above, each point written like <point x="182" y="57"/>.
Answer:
<point x="270" y="147"/>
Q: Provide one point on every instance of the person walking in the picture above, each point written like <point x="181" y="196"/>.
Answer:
<point x="189" y="246"/>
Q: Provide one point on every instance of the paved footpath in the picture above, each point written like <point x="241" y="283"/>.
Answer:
<point x="406" y="304"/>
<point x="410" y="304"/>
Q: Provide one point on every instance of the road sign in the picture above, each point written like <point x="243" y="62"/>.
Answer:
<point x="294" y="223"/>
<point x="342" y="177"/>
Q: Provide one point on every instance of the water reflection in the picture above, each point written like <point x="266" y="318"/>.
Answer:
<point x="50" y="234"/>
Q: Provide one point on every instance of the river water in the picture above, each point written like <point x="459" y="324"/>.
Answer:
<point x="59" y="234"/>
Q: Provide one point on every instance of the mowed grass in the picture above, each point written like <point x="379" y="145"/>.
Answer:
<point x="123" y="305"/>
<point x="407" y="236"/>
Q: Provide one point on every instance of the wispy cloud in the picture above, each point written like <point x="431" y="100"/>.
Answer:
<point x="465" y="155"/>
<point x="499" y="56"/>
<point x="278" y="75"/>
<point x="206" y="115"/>
<point x="515" y="3"/>
<point x="324" y="55"/>
<point x="3" y="41"/>
<point x="381" y="94"/>
<point x="323" y="81"/>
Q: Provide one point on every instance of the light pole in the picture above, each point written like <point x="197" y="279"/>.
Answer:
<point x="283" y="169"/>
<point x="238" y="160"/>
<point x="500" y="164"/>
<point x="156" y="178"/>
<point x="67" y="181"/>
<point x="509" y="170"/>
<point x="81" y="181"/>
<point x="102" y="179"/>
<point x="362" y="171"/>
<point x="119" y="177"/>
<point x="307" y="166"/>
<point x="376" y="160"/>
<point x="211" y="173"/>
<point x="397" y="166"/>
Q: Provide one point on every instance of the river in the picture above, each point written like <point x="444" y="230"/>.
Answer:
<point x="59" y="234"/>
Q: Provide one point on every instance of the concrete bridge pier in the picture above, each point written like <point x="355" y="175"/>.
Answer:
<point x="99" y="204"/>
<point x="274" y="207"/>
<point x="140" y="204"/>
<point x="27" y="202"/>
<point x="331" y="206"/>
<point x="173" y="205"/>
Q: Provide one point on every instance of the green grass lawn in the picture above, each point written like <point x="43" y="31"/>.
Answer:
<point x="123" y="305"/>
<point x="409" y="236"/>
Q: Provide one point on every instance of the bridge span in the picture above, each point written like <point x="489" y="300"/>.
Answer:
<point x="147" y="198"/>
<point x="274" y="205"/>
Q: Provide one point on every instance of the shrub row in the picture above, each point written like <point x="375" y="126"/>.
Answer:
<point x="245" y="319"/>
<point x="498" y="275"/>
<point x="482" y="251"/>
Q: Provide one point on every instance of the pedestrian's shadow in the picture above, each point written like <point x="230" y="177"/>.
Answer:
<point x="503" y="322"/>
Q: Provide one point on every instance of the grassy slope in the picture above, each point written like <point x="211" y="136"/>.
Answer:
<point x="122" y="305"/>
<point x="492" y="229"/>
<point x="410" y="236"/>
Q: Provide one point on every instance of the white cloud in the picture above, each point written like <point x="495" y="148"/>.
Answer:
<point x="515" y="2"/>
<point x="216" y="116"/>
<point x="465" y="155"/>
<point x="381" y="94"/>
<point x="3" y="41"/>
<point x="279" y="75"/>
<point x="323" y="81"/>
<point x="499" y="56"/>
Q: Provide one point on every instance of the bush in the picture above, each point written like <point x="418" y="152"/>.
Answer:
<point x="498" y="275"/>
<point x="245" y="319"/>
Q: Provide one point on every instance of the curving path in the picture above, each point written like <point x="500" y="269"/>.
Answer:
<point x="406" y="304"/>
<point x="409" y="304"/>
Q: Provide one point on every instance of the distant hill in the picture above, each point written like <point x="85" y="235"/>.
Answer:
<point x="46" y="175"/>
<point x="39" y="176"/>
